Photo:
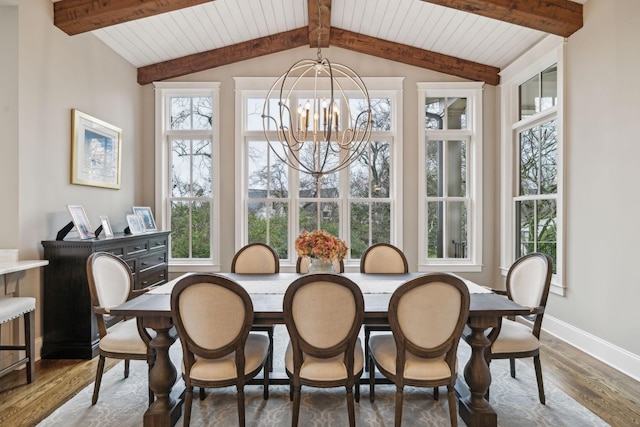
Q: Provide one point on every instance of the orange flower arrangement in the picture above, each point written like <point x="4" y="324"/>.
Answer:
<point x="322" y="245"/>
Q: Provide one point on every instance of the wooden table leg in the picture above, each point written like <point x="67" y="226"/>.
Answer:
<point x="474" y="409"/>
<point x="164" y="411"/>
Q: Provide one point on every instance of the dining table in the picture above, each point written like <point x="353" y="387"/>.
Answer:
<point x="486" y="309"/>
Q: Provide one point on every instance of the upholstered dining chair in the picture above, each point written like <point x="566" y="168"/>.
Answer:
<point x="323" y="314"/>
<point x="213" y="316"/>
<point x="111" y="284"/>
<point x="427" y="315"/>
<point x="12" y="308"/>
<point x="302" y="265"/>
<point x="380" y="258"/>
<point x="528" y="283"/>
<point x="258" y="258"/>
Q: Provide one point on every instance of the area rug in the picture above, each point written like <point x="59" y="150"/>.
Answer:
<point x="123" y="401"/>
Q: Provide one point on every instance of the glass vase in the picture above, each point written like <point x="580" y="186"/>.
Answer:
<point x="319" y="266"/>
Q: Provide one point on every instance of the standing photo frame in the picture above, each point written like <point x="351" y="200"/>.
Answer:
<point x="135" y="224"/>
<point x="81" y="222"/>
<point x="96" y="151"/>
<point x="145" y="214"/>
<point x="106" y="227"/>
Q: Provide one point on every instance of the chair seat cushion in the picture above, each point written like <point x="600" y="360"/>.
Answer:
<point x="256" y="350"/>
<point x="124" y="338"/>
<point x="331" y="369"/>
<point x="514" y="337"/>
<point x="14" y="307"/>
<point x="383" y="348"/>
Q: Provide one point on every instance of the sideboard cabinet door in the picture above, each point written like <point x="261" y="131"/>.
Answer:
<point x="69" y="325"/>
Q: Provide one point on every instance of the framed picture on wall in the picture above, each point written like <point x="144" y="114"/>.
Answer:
<point x="144" y="212"/>
<point x="95" y="151"/>
<point x="81" y="222"/>
<point x="135" y="224"/>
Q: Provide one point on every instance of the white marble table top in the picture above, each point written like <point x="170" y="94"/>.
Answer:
<point x="14" y="266"/>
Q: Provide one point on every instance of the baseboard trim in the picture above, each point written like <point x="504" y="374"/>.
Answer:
<point x="614" y="356"/>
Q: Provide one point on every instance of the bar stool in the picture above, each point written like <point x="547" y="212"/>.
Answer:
<point x="10" y="309"/>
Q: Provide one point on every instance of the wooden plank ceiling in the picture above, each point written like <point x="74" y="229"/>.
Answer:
<point x="440" y="35"/>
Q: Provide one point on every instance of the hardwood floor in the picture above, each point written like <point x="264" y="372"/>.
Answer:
<point x="612" y="396"/>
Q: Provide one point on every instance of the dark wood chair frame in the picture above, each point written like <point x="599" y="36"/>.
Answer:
<point x="102" y="312"/>
<point x="377" y="328"/>
<point x="28" y="347"/>
<point x="346" y="346"/>
<point x="537" y="313"/>
<point x="191" y="349"/>
<point x="448" y="348"/>
<point x="269" y="329"/>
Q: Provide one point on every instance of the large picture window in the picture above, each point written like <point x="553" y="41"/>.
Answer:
<point x="186" y="153"/>
<point x="450" y="179"/>
<point x="358" y="203"/>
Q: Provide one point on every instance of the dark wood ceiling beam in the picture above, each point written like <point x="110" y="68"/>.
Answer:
<point x="223" y="56"/>
<point x="320" y="24"/>
<point x="560" y="17"/>
<point x="414" y="56"/>
<point x="79" y="16"/>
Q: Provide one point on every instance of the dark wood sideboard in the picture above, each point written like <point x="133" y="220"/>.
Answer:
<point x="69" y="325"/>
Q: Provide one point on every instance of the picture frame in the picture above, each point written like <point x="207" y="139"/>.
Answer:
<point x="135" y="224"/>
<point x="81" y="222"/>
<point x="96" y="151"/>
<point x="145" y="214"/>
<point x="106" y="227"/>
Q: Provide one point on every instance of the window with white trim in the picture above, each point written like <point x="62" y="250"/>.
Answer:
<point x="359" y="204"/>
<point x="532" y="163"/>
<point x="450" y="181"/>
<point x="187" y="144"/>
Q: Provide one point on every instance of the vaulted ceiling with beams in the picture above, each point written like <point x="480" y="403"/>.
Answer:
<point x="472" y="39"/>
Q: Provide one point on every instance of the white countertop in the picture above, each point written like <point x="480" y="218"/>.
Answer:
<point x="14" y="266"/>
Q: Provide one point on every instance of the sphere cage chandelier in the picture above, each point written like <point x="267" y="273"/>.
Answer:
<point x="328" y="133"/>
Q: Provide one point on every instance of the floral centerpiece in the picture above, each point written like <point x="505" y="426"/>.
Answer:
<point x="322" y="245"/>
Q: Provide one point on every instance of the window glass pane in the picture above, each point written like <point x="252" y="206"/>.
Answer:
<point x="268" y="175"/>
<point x="308" y="216"/>
<point x="180" y="112"/>
<point x="254" y="114"/>
<point x="435" y="113"/>
<point x="278" y="229"/>
<point x="456" y="113"/>
<point x="529" y="97"/>
<point x="202" y="112"/>
<point x="359" y="225"/>
<point x="201" y="230"/>
<point x="457" y="168"/>
<point x="370" y="173"/>
<point x="433" y="171"/>
<point x="180" y="225"/>
<point x="380" y="222"/>
<point x="549" y="87"/>
<point x="181" y="168"/>
<point x="328" y="185"/>
<point x="547" y="228"/>
<point x="257" y="222"/>
<point x="359" y="176"/>
<point x="529" y="156"/>
<point x="549" y="158"/>
<point x="380" y="112"/>
<point x="526" y="227"/>
<point x="435" y="213"/>
<point x="457" y="217"/>
<point x="202" y="169"/>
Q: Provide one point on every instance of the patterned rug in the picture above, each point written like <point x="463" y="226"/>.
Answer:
<point x="123" y="401"/>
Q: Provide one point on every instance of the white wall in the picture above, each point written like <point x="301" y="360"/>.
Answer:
<point x="46" y="74"/>
<point x="602" y="193"/>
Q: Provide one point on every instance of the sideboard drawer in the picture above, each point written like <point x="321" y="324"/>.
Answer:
<point x="136" y="248"/>
<point x="154" y="277"/>
<point x="158" y="243"/>
<point x="150" y="261"/>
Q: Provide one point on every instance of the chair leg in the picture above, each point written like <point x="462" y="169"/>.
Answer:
<point x="96" y="386"/>
<point x="241" y="415"/>
<point x="188" y="398"/>
<point x="367" y="334"/>
<point x="536" y="363"/>
<point x="512" y="367"/>
<point x="351" y="407"/>
<point x="436" y="393"/>
<point x="265" y="385"/>
<point x="202" y="393"/>
<point x="452" y="406"/>
<point x="126" y="368"/>
<point x="399" y="396"/>
<point x="296" y="406"/>
<point x="372" y="380"/>
<point x="29" y="343"/>
<point x="357" y="392"/>
<point x="270" y="333"/>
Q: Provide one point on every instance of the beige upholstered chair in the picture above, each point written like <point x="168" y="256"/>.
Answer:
<point x="427" y="315"/>
<point x="12" y="308"/>
<point x="323" y="314"/>
<point x="528" y="283"/>
<point x="111" y="284"/>
<point x="381" y="258"/>
<point x="258" y="258"/>
<point x="302" y="265"/>
<point x="213" y="316"/>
